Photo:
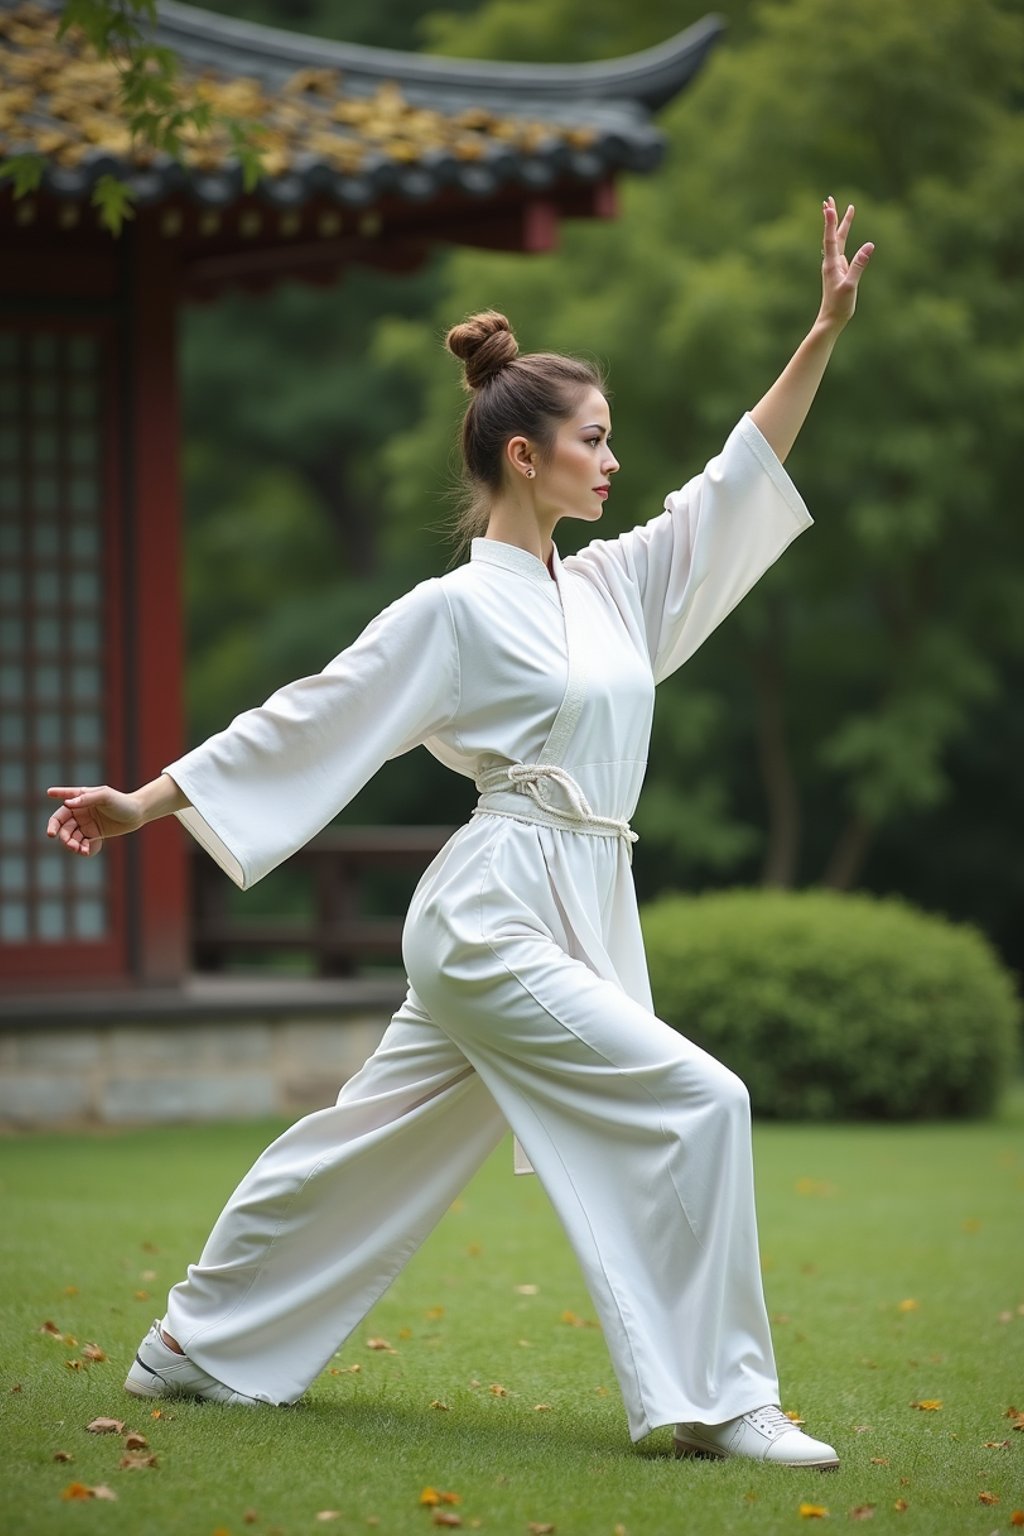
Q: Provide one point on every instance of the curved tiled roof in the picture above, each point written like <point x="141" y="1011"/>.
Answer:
<point x="340" y="121"/>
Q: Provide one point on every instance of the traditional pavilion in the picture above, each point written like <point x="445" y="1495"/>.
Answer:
<point x="370" y="156"/>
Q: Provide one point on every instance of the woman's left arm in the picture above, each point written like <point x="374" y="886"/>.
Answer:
<point x="781" y="413"/>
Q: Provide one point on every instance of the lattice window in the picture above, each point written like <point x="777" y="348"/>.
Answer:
<point x="53" y="718"/>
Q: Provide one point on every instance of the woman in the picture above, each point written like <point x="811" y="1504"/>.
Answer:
<point x="529" y="1000"/>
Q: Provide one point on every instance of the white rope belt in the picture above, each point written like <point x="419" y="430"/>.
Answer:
<point x="576" y="817"/>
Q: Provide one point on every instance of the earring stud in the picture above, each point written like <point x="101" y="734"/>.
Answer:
<point x="530" y="474"/>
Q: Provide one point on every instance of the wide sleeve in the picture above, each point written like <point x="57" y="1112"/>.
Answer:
<point x="277" y="775"/>
<point x="717" y="536"/>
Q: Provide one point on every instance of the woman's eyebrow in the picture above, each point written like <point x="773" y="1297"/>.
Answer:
<point x="595" y="426"/>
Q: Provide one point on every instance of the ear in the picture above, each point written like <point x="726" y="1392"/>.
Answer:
<point x="519" y="455"/>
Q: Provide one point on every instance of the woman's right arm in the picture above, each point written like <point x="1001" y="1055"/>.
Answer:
<point x="88" y="816"/>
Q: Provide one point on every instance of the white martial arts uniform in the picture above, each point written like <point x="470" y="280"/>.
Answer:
<point x="529" y="1000"/>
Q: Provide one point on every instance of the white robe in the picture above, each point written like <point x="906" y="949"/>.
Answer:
<point x="529" y="999"/>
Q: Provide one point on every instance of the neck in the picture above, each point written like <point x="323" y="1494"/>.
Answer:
<point x="517" y="524"/>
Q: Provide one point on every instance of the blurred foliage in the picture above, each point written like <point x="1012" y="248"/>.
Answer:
<point x="846" y="724"/>
<point x="831" y="1006"/>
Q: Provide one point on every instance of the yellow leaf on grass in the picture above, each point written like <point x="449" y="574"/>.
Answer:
<point x="528" y="1290"/>
<point x="497" y="1390"/>
<point x="928" y="1404"/>
<point x="93" y="1352"/>
<point x="434" y="1314"/>
<point x="430" y="1496"/>
<point x="813" y="1512"/>
<point x="73" y="1365"/>
<point x="327" y="1514"/>
<point x="988" y="1498"/>
<point x="879" y="1461"/>
<point x="900" y="1505"/>
<point x="542" y="1407"/>
<point x="377" y="1344"/>
<point x="437" y="1403"/>
<point x="793" y="1417"/>
<point x="910" y="1305"/>
<point x="77" y="1491"/>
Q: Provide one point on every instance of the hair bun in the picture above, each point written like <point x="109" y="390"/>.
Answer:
<point x="485" y="345"/>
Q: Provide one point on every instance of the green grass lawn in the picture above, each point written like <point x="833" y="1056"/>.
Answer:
<point x="894" y="1266"/>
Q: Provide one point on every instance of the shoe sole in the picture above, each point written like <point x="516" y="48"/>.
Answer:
<point x="141" y="1388"/>
<point x="685" y="1451"/>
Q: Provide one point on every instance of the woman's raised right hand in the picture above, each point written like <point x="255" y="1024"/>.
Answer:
<point x="90" y="815"/>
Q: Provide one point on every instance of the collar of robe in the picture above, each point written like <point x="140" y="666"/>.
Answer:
<point x="512" y="558"/>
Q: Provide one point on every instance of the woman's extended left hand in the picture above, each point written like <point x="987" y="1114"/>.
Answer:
<point x="839" y="277"/>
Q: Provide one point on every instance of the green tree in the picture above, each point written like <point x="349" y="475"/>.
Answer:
<point x="854" y="670"/>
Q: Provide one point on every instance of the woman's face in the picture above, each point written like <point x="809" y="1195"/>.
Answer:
<point x="572" y="481"/>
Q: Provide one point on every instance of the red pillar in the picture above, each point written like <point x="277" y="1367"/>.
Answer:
<point x="154" y="665"/>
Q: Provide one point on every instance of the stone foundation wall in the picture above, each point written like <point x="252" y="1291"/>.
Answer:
<point x="161" y="1071"/>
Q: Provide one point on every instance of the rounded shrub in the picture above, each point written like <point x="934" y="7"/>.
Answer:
<point x="831" y="1005"/>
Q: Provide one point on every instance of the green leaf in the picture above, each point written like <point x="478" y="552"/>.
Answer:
<point x="26" y="171"/>
<point x="113" y="197"/>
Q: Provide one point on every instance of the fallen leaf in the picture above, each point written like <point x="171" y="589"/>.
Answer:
<point x="451" y="1498"/>
<point x="928" y="1404"/>
<point x="149" y="1247"/>
<point x="157" y="1413"/>
<point x="542" y="1407"/>
<point x="373" y="1519"/>
<point x="863" y="1429"/>
<point x="576" y="1322"/>
<point x="1016" y="1416"/>
<point x="1004" y="1317"/>
<point x="405" y="1333"/>
<point x="904" y="1482"/>
<point x="442" y="1407"/>
<point x="988" y="1498"/>
<point x="794" y="1418"/>
<point x="813" y="1512"/>
<point x="83" y="1491"/>
<point x="76" y="1491"/>
<point x="430" y="1496"/>
<point x="250" y="1517"/>
<point x="52" y="1329"/>
<point x="601" y="1391"/>
<point x="497" y="1390"/>
<point x="136" y="1461"/>
<point x="63" y="1456"/>
<point x="377" y="1344"/>
<point x="620" y="1530"/>
<point x="900" y="1505"/>
<point x="997" y="1445"/>
<point x="93" y="1352"/>
<point x="135" y="1442"/>
<point x="910" y="1305"/>
<point x="434" y="1314"/>
<point x="70" y="1290"/>
<point x="539" y="1527"/>
<point x="524" y="1343"/>
<point x="879" y="1461"/>
<point x="327" y="1514"/>
<point x="17" y="1387"/>
<point x="148" y="1274"/>
<point x="528" y="1290"/>
<point x="1017" y="1518"/>
<point x="862" y="1512"/>
<point x="474" y="1250"/>
<point x="106" y="1427"/>
<point x="73" y="1365"/>
<point x="446" y="1517"/>
<point x="141" y="1295"/>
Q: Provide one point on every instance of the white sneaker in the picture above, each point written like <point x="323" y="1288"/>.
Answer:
<point x="763" y="1435"/>
<point x="160" y="1371"/>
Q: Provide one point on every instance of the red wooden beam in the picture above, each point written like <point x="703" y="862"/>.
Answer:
<point x="154" y="576"/>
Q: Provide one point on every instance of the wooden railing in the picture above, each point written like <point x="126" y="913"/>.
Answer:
<point x="336" y="935"/>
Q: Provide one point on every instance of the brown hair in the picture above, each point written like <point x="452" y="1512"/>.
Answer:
<point x="512" y="396"/>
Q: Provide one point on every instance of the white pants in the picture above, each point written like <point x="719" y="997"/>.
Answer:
<point x="641" y="1140"/>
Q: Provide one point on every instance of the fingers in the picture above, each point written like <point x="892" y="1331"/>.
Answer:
<point x="836" y="229"/>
